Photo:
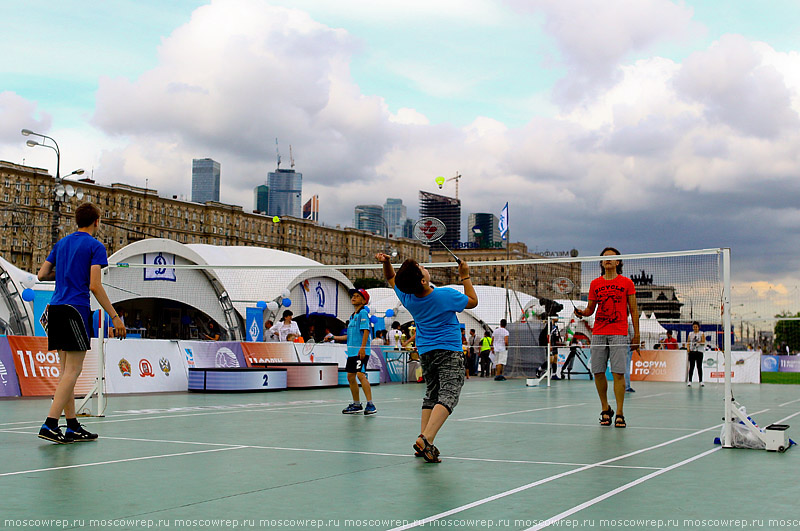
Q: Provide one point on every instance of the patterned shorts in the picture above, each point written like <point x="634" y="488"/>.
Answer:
<point x="443" y="372"/>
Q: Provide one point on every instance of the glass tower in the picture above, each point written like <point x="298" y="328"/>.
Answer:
<point x="285" y="193"/>
<point x="395" y="213"/>
<point x="205" y="180"/>
<point x="261" y="198"/>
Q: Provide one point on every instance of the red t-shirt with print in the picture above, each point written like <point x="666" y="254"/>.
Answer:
<point x="670" y="343"/>
<point x="611" y="297"/>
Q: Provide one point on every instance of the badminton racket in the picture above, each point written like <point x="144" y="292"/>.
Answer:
<point x="430" y="230"/>
<point x="564" y="286"/>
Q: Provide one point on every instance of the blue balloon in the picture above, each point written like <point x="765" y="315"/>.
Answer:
<point x="373" y="319"/>
<point x="389" y="313"/>
<point x="261" y="304"/>
<point x="27" y="294"/>
<point x="367" y="308"/>
<point x="287" y="302"/>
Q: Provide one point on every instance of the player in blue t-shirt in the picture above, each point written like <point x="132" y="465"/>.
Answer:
<point x="75" y="264"/>
<point x="438" y="341"/>
<point x="357" y="354"/>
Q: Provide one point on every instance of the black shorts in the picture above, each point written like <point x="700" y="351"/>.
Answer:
<point x="355" y="365"/>
<point x="69" y="327"/>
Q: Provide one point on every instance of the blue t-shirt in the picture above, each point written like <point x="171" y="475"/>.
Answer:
<point x="435" y="316"/>
<point x="73" y="256"/>
<point x="359" y="322"/>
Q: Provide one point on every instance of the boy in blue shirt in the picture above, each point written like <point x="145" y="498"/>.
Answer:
<point x="75" y="264"/>
<point x="357" y="355"/>
<point x="438" y="342"/>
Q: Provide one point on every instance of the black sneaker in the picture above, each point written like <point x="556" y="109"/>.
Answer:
<point x="52" y="435"/>
<point x="79" y="435"/>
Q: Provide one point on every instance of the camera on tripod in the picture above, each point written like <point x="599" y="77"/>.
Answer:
<point x="551" y="307"/>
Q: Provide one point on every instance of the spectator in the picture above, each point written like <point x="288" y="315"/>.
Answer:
<point x="500" y="348"/>
<point x="695" y="344"/>
<point x="474" y="343"/>
<point x="486" y="349"/>
<point x="395" y="336"/>
<point x="670" y="343"/>
<point x="282" y="330"/>
<point x="213" y="332"/>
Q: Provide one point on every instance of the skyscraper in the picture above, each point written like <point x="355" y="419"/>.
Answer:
<point x="448" y="210"/>
<point x="285" y="192"/>
<point x="482" y="228"/>
<point x="311" y="209"/>
<point x="205" y="180"/>
<point x="395" y="213"/>
<point x="369" y="217"/>
<point x="261" y="198"/>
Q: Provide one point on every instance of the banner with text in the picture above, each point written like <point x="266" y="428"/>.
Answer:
<point x="659" y="366"/>
<point x="269" y="353"/>
<point x="746" y="366"/>
<point x="38" y="369"/>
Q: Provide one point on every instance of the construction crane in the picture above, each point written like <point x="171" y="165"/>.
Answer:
<point x="441" y="180"/>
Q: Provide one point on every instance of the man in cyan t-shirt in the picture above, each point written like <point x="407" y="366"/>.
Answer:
<point x="75" y="263"/>
<point x="614" y="296"/>
<point x="438" y="341"/>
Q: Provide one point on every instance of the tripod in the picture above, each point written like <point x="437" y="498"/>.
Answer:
<point x="575" y="353"/>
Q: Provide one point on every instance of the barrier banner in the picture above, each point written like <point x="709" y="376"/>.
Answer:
<point x="788" y="364"/>
<point x="145" y="366"/>
<point x="269" y="353"/>
<point x="212" y="354"/>
<point x="769" y="363"/>
<point x="255" y="324"/>
<point x="746" y="366"/>
<point x="9" y="385"/>
<point x="659" y="366"/>
<point x="322" y="353"/>
<point x="38" y="369"/>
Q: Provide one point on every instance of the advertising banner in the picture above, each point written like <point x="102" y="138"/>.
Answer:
<point x="212" y="354"/>
<point x="255" y="324"/>
<point x="659" y="366"/>
<point x="788" y="363"/>
<point x="769" y="363"/>
<point x="746" y="366"/>
<point x="322" y="353"/>
<point x="38" y="369"/>
<point x="269" y="353"/>
<point x="144" y="366"/>
<point x="9" y="385"/>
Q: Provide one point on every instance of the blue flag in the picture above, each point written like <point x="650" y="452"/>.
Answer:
<point x="503" y="225"/>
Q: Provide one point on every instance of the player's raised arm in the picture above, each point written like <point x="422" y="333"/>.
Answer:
<point x="388" y="270"/>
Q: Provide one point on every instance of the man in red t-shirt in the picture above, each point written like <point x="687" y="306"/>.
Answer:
<point x="670" y="343"/>
<point x="614" y="296"/>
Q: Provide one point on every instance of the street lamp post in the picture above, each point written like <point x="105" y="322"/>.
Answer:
<point x="58" y="190"/>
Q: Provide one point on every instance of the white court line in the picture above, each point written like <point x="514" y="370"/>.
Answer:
<point x="316" y="450"/>
<point x="483" y="501"/>
<point x="598" y="499"/>
<point x="515" y="412"/>
<point x="119" y="461"/>
<point x="786" y="418"/>
<point x="787" y="403"/>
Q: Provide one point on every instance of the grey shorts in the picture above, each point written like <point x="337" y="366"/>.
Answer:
<point x="443" y="372"/>
<point x="609" y="348"/>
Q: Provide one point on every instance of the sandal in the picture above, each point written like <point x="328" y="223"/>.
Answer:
<point x="620" y="422"/>
<point x="606" y="416"/>
<point x="429" y="452"/>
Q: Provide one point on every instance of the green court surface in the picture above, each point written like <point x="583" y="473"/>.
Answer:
<point x="514" y="457"/>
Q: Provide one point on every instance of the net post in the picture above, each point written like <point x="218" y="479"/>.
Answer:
<point x="550" y="321"/>
<point x="99" y="400"/>
<point x="726" y="324"/>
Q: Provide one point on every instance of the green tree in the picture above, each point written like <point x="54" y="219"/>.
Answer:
<point x="788" y="331"/>
<point x="367" y="283"/>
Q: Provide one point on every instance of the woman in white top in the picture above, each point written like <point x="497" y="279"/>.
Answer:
<point x="695" y="344"/>
<point x="281" y="330"/>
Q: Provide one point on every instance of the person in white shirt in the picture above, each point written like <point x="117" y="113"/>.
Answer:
<point x="695" y="344"/>
<point x="500" y="348"/>
<point x="395" y="335"/>
<point x="281" y="330"/>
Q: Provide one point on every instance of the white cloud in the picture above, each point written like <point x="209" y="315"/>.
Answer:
<point x="16" y="114"/>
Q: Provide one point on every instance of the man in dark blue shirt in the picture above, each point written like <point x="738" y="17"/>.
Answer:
<point x="75" y="264"/>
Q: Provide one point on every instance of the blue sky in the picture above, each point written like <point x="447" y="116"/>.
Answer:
<point x="586" y="115"/>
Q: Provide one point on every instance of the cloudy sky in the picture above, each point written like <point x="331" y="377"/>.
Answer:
<point x="651" y="125"/>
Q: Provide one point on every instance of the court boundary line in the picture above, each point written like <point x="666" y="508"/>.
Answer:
<point x="552" y="520"/>
<point x="522" y="488"/>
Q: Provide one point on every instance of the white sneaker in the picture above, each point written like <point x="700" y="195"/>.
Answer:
<point x="689" y="384"/>
<point x="702" y="384"/>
